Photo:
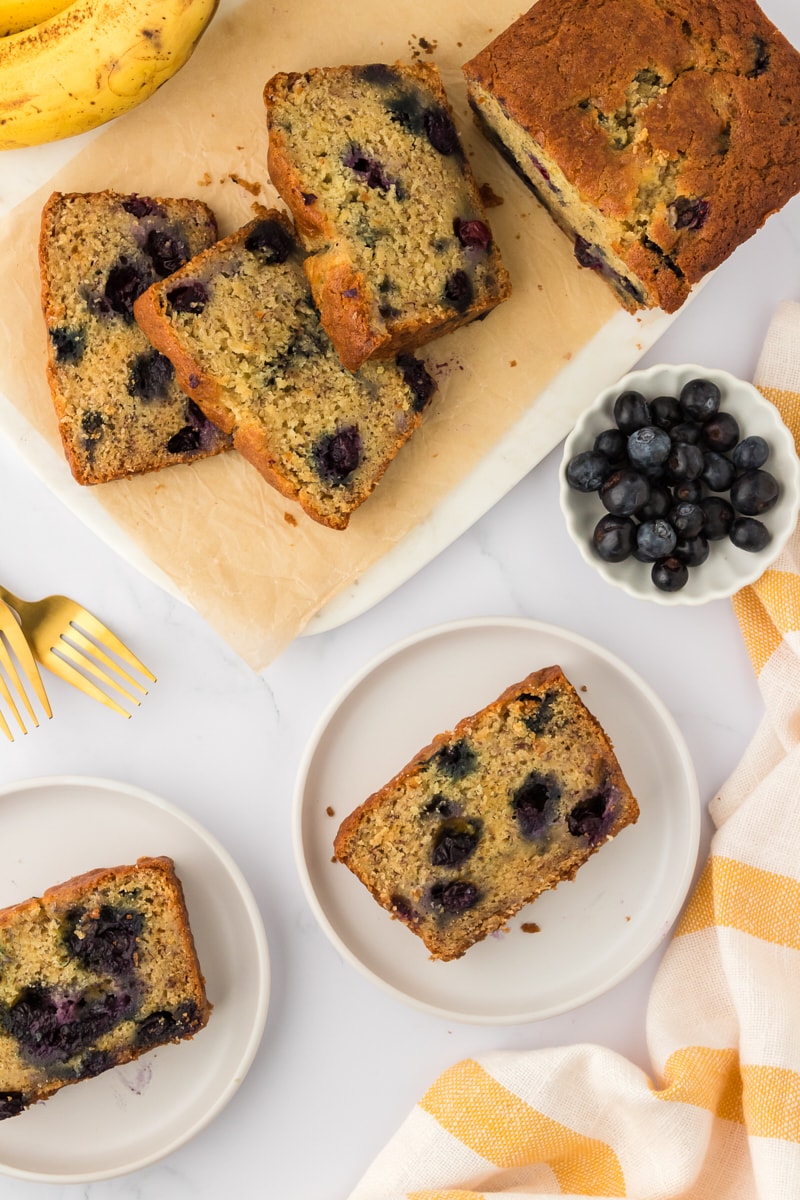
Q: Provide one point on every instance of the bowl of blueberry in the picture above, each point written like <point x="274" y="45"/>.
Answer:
<point x="680" y="484"/>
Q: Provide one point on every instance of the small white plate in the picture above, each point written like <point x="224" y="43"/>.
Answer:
<point x="129" y="1117"/>
<point x="727" y="568"/>
<point x="595" y="930"/>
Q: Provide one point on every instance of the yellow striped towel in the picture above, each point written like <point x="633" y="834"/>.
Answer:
<point x="720" y="1117"/>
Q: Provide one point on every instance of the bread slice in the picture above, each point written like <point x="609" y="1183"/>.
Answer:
<point x="369" y="162"/>
<point x="240" y="326"/>
<point x="120" y="410"/>
<point x="94" y="973"/>
<point x="489" y="815"/>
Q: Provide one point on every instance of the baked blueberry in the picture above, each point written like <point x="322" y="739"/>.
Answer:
<point x="11" y="1104"/>
<point x="271" y="240"/>
<point x="141" y="206"/>
<point x="336" y="455"/>
<point x="150" y="376"/>
<point x="51" y="1027"/>
<point x="188" y="297"/>
<point x="456" y="760"/>
<point x="458" y="291"/>
<point x="92" y="424"/>
<point x="533" y="803"/>
<point x="454" y="842"/>
<point x="124" y="284"/>
<point x="440" y="130"/>
<point x="417" y="379"/>
<point x="69" y="344"/>
<point x="688" y="212"/>
<point x="166" y="250"/>
<point x="473" y="234"/>
<point x="106" y="941"/>
<point x="455" y="897"/>
<point x="185" y="441"/>
<point x="590" y="818"/>
<point x="167" y="1026"/>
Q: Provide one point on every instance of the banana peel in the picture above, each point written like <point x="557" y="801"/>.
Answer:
<point x="92" y="62"/>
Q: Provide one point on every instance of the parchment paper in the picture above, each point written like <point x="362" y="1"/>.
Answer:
<point x="251" y="562"/>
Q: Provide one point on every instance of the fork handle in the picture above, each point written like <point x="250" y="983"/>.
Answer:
<point x="18" y="605"/>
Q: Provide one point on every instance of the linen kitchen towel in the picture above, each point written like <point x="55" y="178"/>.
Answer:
<point x="719" y="1118"/>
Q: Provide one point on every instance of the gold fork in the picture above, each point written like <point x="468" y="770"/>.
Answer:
<point x="64" y="637"/>
<point x="12" y="640"/>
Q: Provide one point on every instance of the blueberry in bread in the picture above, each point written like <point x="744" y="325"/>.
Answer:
<point x="94" y="973"/>
<point x="660" y="134"/>
<point x="239" y="324"/>
<point x="489" y="815"/>
<point x="120" y="410"/>
<point x="369" y="161"/>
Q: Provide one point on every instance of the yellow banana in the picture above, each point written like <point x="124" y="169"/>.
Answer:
<point x="91" y="62"/>
<point x="22" y="14"/>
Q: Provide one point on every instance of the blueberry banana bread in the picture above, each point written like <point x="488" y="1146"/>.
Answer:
<point x="93" y="974"/>
<point x="660" y="134"/>
<point x="120" y="410"/>
<point x="488" y="816"/>
<point x="369" y="161"/>
<point x="240" y="326"/>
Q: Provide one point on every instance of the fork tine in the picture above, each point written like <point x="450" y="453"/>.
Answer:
<point x="91" y="625"/>
<point x="6" y="663"/>
<point x="82" y="642"/>
<point x="65" y="649"/>
<point x="59" y="666"/>
<point x="24" y="656"/>
<point x="6" y="728"/>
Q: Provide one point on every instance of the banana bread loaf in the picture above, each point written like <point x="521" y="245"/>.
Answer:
<point x="94" y="973"/>
<point x="660" y="134"/>
<point x="488" y="816"/>
<point x="369" y="161"/>
<point x="120" y="410"/>
<point x="240" y="326"/>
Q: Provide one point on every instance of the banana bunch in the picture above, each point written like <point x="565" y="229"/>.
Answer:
<point x="89" y="62"/>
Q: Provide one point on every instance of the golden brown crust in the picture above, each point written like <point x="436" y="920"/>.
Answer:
<point x="682" y="133"/>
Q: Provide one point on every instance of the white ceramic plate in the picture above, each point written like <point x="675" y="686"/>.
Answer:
<point x="727" y="568"/>
<point x="54" y="828"/>
<point x="595" y="930"/>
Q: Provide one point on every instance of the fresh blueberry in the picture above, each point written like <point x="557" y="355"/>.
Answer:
<point x="754" y="493"/>
<point x="656" y="539"/>
<point x="533" y="803"/>
<point x="188" y="297"/>
<point x="458" y="290"/>
<point x="658" y="504"/>
<point x="665" y="411"/>
<point x="613" y="444"/>
<point x="454" y="842"/>
<point x="699" y="399"/>
<point x="686" y="431"/>
<point x="336" y="455"/>
<point x="648" y="447"/>
<point x="631" y="412"/>
<point x="749" y="534"/>
<point x="718" y="471"/>
<point x="719" y="515"/>
<point x="692" y="550"/>
<point x="587" y="471"/>
<point x="720" y="432"/>
<point x="69" y="344"/>
<point x="670" y="574"/>
<point x="440" y="130"/>
<point x="167" y="251"/>
<point x="751" y="453"/>
<point x="417" y="379"/>
<point x="624" y="492"/>
<point x="106" y="941"/>
<point x="690" y="491"/>
<point x="614" y="538"/>
<point x="150" y="375"/>
<point x="687" y="518"/>
<point x="685" y="462"/>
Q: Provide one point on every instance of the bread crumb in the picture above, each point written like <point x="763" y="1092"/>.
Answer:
<point x="530" y="927"/>
<point x="206" y="181"/>
<point x="513" y="362"/>
<point x="290" y="518"/>
<point x="253" y="188"/>
<point x="330" y="811"/>
<point x="489" y="196"/>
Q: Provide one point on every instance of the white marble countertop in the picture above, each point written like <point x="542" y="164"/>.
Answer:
<point x="341" y="1062"/>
